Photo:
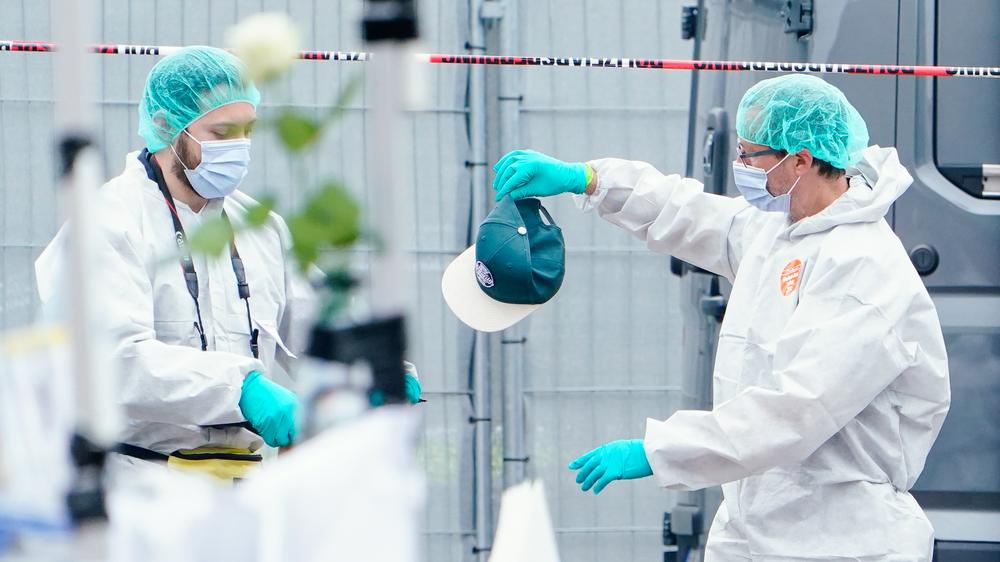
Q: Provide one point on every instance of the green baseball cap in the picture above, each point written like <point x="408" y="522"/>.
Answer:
<point x="516" y="265"/>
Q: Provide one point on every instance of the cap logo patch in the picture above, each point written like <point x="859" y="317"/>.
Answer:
<point x="483" y="275"/>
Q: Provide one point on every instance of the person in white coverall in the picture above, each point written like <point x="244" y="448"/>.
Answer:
<point x="831" y="377"/>
<point x="204" y="343"/>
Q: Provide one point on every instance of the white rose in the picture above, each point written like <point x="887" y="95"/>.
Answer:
<point x="267" y="43"/>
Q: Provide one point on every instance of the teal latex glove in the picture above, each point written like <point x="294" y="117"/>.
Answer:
<point x="412" y="389"/>
<point x="270" y="408"/>
<point x="618" y="460"/>
<point x="527" y="173"/>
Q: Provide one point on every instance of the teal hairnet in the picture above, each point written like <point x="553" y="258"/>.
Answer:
<point x="797" y="111"/>
<point x="186" y="85"/>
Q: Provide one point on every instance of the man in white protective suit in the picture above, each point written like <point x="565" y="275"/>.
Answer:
<point x="204" y="343"/>
<point x="831" y="377"/>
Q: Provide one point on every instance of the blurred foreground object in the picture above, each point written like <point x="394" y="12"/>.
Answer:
<point x="524" y="531"/>
<point x="351" y="493"/>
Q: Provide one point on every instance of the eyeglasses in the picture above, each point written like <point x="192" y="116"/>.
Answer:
<point x="744" y="155"/>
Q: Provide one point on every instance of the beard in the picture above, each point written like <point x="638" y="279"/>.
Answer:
<point x="185" y="152"/>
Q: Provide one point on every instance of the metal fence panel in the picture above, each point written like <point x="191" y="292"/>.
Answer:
<point x="608" y="352"/>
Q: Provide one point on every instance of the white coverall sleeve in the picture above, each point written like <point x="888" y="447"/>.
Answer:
<point x="671" y="214"/>
<point x="163" y="383"/>
<point x="835" y="355"/>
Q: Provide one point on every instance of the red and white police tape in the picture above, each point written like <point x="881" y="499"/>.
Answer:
<point x="574" y="62"/>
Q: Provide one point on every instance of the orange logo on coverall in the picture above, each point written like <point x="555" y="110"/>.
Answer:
<point x="790" y="277"/>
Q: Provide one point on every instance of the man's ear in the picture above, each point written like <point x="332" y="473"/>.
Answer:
<point x="159" y="121"/>
<point x="803" y="160"/>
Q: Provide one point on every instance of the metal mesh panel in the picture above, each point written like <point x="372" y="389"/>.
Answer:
<point x="608" y="352"/>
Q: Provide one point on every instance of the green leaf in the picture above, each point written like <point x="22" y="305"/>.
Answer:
<point x="296" y="130"/>
<point x="211" y="238"/>
<point x="258" y="215"/>
<point x="330" y="220"/>
<point x="306" y="240"/>
<point x="335" y="209"/>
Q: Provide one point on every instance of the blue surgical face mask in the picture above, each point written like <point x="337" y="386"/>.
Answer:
<point x="223" y="166"/>
<point x="752" y="183"/>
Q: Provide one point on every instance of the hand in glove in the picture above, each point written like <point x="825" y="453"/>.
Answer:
<point x="618" y="460"/>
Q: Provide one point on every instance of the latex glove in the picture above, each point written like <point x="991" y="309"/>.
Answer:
<point x="618" y="460"/>
<point x="412" y="389"/>
<point x="527" y="173"/>
<point x="412" y="382"/>
<point x="270" y="408"/>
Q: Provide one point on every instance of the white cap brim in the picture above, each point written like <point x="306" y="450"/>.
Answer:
<point x="472" y="306"/>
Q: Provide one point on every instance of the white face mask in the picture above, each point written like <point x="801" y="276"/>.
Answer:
<point x="223" y="166"/>
<point x="752" y="183"/>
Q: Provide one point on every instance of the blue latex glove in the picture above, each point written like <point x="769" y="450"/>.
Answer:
<point x="527" y="173"/>
<point x="270" y="408"/>
<point x="412" y="389"/>
<point x="618" y="460"/>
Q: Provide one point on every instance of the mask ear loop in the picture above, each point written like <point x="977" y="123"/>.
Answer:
<point x="791" y="189"/>
<point x="185" y="131"/>
<point x="192" y="137"/>
<point x="778" y="164"/>
<point x="179" y="158"/>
